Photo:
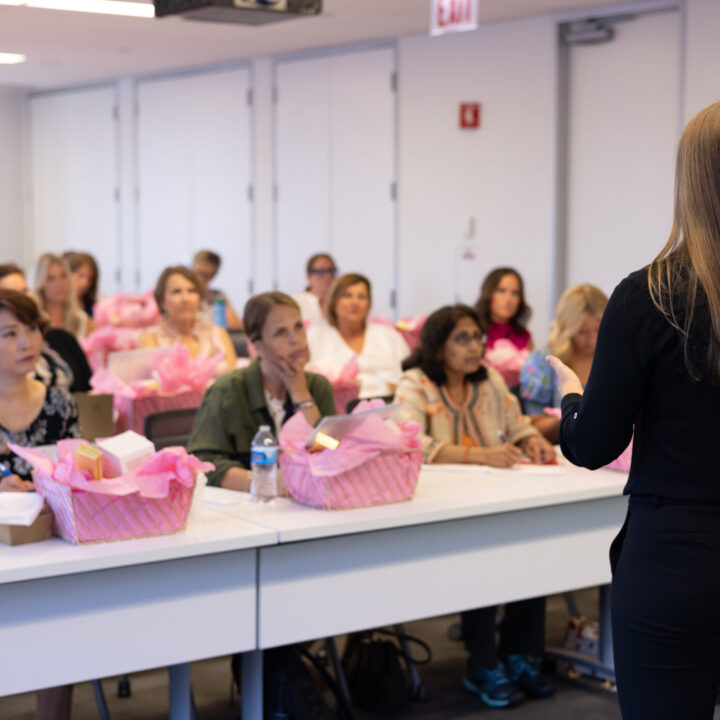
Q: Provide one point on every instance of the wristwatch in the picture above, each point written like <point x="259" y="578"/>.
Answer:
<point x="305" y="404"/>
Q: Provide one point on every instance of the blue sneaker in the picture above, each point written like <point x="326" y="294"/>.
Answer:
<point x="493" y="686"/>
<point x="524" y="673"/>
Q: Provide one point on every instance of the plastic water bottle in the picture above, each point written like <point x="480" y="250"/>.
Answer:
<point x="263" y="461"/>
<point x="220" y="312"/>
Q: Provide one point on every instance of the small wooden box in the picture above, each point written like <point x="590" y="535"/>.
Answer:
<point x="21" y="534"/>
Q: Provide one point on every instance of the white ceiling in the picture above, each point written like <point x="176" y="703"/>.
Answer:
<point x="70" y="48"/>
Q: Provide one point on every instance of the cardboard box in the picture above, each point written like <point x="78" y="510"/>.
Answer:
<point x="20" y="534"/>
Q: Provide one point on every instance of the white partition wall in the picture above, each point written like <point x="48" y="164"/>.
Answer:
<point x="623" y="129"/>
<point x="74" y="166"/>
<point x="335" y="167"/>
<point x="194" y="176"/>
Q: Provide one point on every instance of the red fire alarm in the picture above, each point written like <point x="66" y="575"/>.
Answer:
<point x="469" y="116"/>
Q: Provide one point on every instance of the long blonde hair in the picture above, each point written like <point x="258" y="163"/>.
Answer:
<point x="688" y="267"/>
<point x="575" y="305"/>
<point x="72" y="314"/>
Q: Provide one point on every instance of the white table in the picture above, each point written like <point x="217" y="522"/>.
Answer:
<point x="75" y="613"/>
<point x="467" y="539"/>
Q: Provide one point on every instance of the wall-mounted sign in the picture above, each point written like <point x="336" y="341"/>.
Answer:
<point x="453" y="16"/>
<point x="469" y="116"/>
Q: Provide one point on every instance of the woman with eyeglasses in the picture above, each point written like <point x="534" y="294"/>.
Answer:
<point x="468" y="415"/>
<point x="321" y="273"/>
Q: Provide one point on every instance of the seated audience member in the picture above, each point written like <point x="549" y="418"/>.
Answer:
<point x="469" y="416"/>
<point x="503" y="315"/>
<point x="30" y="414"/>
<point x="85" y="278"/>
<point x="62" y="361"/>
<point x="55" y="292"/>
<point x="380" y="349"/>
<point x="267" y="392"/>
<point x="205" y="265"/>
<point x="321" y="272"/>
<point x="573" y="335"/>
<point x="178" y="293"/>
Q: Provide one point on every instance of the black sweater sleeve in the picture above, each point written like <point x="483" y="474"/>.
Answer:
<point x="598" y="425"/>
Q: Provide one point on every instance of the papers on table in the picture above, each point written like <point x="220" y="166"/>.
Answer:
<point x="20" y="508"/>
<point x="516" y="470"/>
<point x="220" y="496"/>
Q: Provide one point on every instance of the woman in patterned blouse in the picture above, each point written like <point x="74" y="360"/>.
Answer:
<point x="30" y="413"/>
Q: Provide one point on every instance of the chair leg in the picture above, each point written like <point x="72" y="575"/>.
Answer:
<point x="571" y="604"/>
<point x="337" y="666"/>
<point x="418" y="691"/>
<point x="100" y="700"/>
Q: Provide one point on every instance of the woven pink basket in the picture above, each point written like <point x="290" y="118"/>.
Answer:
<point x="386" y="478"/>
<point x="86" y="517"/>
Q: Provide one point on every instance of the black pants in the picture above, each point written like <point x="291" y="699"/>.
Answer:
<point x="522" y="632"/>
<point x="665" y="610"/>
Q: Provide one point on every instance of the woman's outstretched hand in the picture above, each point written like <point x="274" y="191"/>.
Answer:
<point x="568" y="381"/>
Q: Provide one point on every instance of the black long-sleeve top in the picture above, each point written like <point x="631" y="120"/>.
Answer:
<point x="639" y="378"/>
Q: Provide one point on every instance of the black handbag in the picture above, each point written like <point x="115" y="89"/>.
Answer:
<point x="375" y="668"/>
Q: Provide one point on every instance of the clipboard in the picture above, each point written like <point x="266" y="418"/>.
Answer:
<point x="338" y="426"/>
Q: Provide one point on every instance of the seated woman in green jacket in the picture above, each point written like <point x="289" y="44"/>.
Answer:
<point x="267" y="392"/>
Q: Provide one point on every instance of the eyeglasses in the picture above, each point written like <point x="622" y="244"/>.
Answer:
<point x="323" y="271"/>
<point x="464" y="339"/>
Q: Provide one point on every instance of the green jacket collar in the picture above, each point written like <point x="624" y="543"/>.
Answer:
<point x="255" y="390"/>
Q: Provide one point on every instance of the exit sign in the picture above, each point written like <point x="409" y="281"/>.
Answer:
<point x="453" y="16"/>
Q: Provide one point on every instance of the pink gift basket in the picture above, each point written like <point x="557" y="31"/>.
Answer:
<point x="180" y="384"/>
<point x="152" y="500"/>
<point x="377" y="463"/>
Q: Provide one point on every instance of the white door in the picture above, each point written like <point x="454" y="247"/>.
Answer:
<point x="194" y="140"/>
<point x="74" y="160"/>
<point x="623" y="129"/>
<point x="335" y="168"/>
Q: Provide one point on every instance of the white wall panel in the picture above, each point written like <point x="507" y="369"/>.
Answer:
<point x="335" y="160"/>
<point x="13" y="176"/>
<point x="75" y="177"/>
<point x="623" y="128"/>
<point x="194" y="172"/>
<point x="701" y="81"/>
<point x="501" y="175"/>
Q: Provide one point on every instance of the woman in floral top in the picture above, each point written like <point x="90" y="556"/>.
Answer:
<point x="30" y="413"/>
<point x="573" y="335"/>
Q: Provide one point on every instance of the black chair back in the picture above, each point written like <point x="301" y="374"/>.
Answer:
<point x="171" y="427"/>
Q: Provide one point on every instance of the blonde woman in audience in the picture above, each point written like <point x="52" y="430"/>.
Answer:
<point x="55" y="291"/>
<point x="379" y="349"/>
<point x="178" y="293"/>
<point x="206" y="265"/>
<point x="573" y="335"/>
<point x="321" y="273"/>
<point x="86" y="276"/>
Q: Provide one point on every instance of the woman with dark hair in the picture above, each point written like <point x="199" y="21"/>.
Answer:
<point x="267" y="392"/>
<point x="62" y="361"/>
<point x="31" y="414"/>
<point x="469" y="416"/>
<point x="321" y="272"/>
<point x="206" y="265"/>
<point x="503" y="315"/>
<point x="379" y="349"/>
<point x="85" y="278"/>
<point x="657" y="369"/>
<point x="178" y="293"/>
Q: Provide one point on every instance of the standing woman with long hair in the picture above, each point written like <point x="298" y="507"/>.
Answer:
<point x="657" y="367"/>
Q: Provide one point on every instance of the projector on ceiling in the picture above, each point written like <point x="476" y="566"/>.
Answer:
<point x="245" y="12"/>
